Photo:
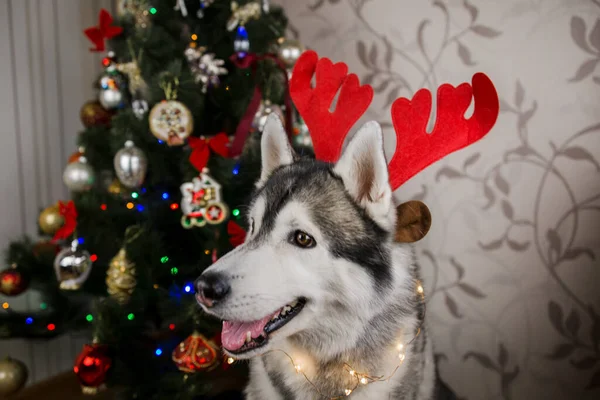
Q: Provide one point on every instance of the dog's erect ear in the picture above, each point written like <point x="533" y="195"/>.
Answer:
<point x="363" y="169"/>
<point x="275" y="148"/>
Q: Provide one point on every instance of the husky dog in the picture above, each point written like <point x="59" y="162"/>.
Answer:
<point x="320" y="278"/>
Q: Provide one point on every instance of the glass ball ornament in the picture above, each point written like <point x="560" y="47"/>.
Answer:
<point x="289" y="51"/>
<point x="91" y="367"/>
<point x="13" y="282"/>
<point x="50" y="220"/>
<point x="13" y="375"/>
<point x="265" y="109"/>
<point x="72" y="266"/>
<point x="114" y="93"/>
<point x="79" y="176"/>
<point x="92" y="113"/>
<point x="131" y="165"/>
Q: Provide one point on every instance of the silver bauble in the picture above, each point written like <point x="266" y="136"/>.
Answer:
<point x="72" y="267"/>
<point x="131" y="165"/>
<point x="264" y="110"/>
<point x="79" y="176"/>
<point x="111" y="99"/>
<point x="289" y="51"/>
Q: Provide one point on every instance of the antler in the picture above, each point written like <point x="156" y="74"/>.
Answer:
<point x="327" y="129"/>
<point x="415" y="149"/>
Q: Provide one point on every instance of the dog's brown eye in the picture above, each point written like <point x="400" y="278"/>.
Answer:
<point x="303" y="239"/>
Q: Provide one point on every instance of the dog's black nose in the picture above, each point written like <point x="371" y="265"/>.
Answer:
<point x="211" y="288"/>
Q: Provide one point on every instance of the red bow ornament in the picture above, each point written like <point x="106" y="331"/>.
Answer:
<point x="104" y="30"/>
<point x="201" y="148"/>
<point x="236" y="233"/>
<point x="69" y="213"/>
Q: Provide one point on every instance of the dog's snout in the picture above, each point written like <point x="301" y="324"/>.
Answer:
<point x="211" y="288"/>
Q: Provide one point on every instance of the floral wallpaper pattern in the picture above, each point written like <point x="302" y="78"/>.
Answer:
<point x="511" y="262"/>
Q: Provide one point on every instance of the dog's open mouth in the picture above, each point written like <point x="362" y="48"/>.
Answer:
<point x="239" y="337"/>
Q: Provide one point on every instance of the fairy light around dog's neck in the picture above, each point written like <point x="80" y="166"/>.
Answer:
<point x="359" y="377"/>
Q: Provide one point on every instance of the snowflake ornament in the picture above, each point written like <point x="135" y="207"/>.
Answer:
<point x="205" y="67"/>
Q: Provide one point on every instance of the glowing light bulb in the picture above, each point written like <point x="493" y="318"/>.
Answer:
<point x="165" y="195"/>
<point x="135" y="195"/>
<point x="130" y="205"/>
<point x="103" y="207"/>
<point x="29" y="321"/>
<point x="352" y="372"/>
<point x="158" y="352"/>
<point x="51" y="327"/>
<point x="174" y="271"/>
<point x="164" y="259"/>
<point x="194" y="37"/>
<point x="93" y="258"/>
<point x="400" y="347"/>
<point x="89" y="318"/>
<point x="152" y="10"/>
<point x="188" y="288"/>
<point x="130" y="316"/>
<point x="235" y="212"/>
<point x="298" y="368"/>
<point x="364" y="380"/>
<point x="230" y="360"/>
<point x="401" y="356"/>
<point x="348" y="392"/>
<point x="420" y="289"/>
<point x="5" y="305"/>
<point x="172" y="327"/>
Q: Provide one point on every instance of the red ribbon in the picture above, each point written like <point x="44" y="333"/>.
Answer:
<point x="69" y="213"/>
<point x="243" y="130"/>
<point x="236" y="233"/>
<point x="201" y="148"/>
<point x="104" y="30"/>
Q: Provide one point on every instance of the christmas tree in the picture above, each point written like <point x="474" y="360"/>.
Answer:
<point x="167" y="159"/>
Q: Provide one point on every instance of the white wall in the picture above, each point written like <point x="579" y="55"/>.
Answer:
<point x="46" y="74"/>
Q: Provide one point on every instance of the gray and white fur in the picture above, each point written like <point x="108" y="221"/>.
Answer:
<point x="359" y="286"/>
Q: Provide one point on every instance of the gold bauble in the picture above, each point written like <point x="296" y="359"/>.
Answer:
<point x="120" y="277"/>
<point x="289" y="51"/>
<point x="117" y="188"/>
<point x="13" y="375"/>
<point x="50" y="220"/>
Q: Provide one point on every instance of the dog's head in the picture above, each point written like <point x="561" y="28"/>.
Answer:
<point x="316" y="260"/>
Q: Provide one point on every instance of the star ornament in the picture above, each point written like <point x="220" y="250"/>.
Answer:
<point x="98" y="34"/>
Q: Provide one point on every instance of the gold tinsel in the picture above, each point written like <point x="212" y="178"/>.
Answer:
<point x="120" y="277"/>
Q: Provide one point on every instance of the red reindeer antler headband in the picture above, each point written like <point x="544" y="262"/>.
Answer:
<point x="415" y="148"/>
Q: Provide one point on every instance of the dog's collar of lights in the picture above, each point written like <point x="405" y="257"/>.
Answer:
<point x="360" y="378"/>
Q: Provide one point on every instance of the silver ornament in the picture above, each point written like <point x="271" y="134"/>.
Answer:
<point x="79" y="175"/>
<point x="111" y="99"/>
<point x="140" y="108"/>
<point x="72" y="267"/>
<point x="131" y="165"/>
<point x="289" y="51"/>
<point x="266" y="6"/>
<point x="264" y="110"/>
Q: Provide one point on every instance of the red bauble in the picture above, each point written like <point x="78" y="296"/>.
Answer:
<point x="13" y="282"/>
<point x="93" y="114"/>
<point x="91" y="367"/>
<point x="196" y="353"/>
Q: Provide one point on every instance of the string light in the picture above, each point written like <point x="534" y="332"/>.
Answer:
<point x="235" y="212"/>
<point x="140" y="207"/>
<point x="43" y="306"/>
<point x="172" y="327"/>
<point x="207" y="251"/>
<point x="361" y="378"/>
<point x="164" y="259"/>
<point x="135" y="195"/>
<point x="130" y="205"/>
<point x="80" y="240"/>
<point x="89" y="318"/>
<point x="153" y="10"/>
<point x="174" y="271"/>
<point x="174" y="206"/>
<point x="5" y="305"/>
<point x="158" y="352"/>
<point x="29" y="321"/>
<point x="236" y="170"/>
<point x="165" y="195"/>
<point x="160" y="141"/>
<point x="143" y="190"/>
<point x="230" y="360"/>
<point x="93" y="258"/>
<point x="103" y="207"/>
<point x="130" y="316"/>
<point x="51" y="327"/>
<point x="194" y="36"/>
<point x="187" y="288"/>
<point x="155" y="286"/>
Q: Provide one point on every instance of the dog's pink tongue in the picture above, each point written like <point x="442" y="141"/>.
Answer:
<point x="234" y="333"/>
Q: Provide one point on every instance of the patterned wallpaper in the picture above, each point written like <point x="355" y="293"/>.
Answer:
<point x="511" y="262"/>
